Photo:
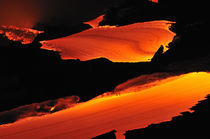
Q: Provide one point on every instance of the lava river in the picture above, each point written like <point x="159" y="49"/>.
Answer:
<point x="131" y="43"/>
<point x="122" y="112"/>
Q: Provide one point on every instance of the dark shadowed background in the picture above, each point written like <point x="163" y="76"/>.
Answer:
<point x="69" y="12"/>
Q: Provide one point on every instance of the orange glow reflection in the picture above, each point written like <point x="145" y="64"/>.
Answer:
<point x="21" y="13"/>
<point x="123" y="112"/>
<point x="131" y="43"/>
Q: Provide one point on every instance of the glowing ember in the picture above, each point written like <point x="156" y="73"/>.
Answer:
<point x="38" y="109"/>
<point x="155" y="1"/>
<point x="131" y="43"/>
<point x="52" y="109"/>
<point x="24" y="35"/>
<point x="123" y="112"/>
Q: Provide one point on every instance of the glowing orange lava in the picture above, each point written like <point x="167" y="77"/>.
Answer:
<point x="95" y="22"/>
<point x="155" y="1"/>
<point x="123" y="112"/>
<point x="131" y="43"/>
<point x="24" y="35"/>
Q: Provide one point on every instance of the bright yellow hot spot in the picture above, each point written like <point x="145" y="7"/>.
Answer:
<point x="124" y="112"/>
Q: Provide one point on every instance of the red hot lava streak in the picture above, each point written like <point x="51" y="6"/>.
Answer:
<point x="155" y="1"/>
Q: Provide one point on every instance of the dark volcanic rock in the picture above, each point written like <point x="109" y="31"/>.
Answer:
<point x="3" y="41"/>
<point x="191" y="43"/>
<point x="132" y="11"/>
<point x="30" y="74"/>
<point x="59" y="31"/>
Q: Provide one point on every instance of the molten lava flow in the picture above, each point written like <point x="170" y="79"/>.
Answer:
<point x="24" y="35"/>
<point x="131" y="43"/>
<point x="123" y="112"/>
